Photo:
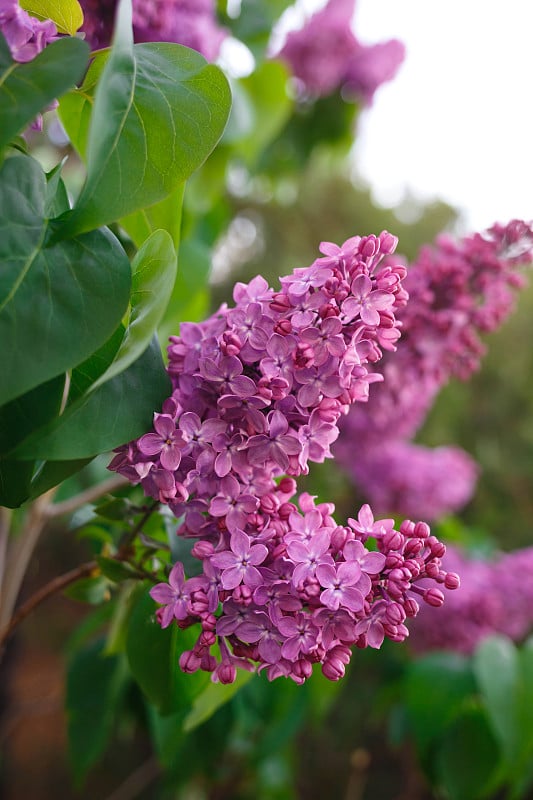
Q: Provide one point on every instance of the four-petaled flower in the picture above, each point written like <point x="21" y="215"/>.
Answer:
<point x="167" y="442"/>
<point x="174" y="595"/>
<point x="239" y="565"/>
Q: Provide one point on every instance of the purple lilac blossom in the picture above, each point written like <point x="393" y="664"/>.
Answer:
<point x="188" y="22"/>
<point x="258" y="391"/>
<point x="495" y="596"/>
<point x="457" y="291"/>
<point x="324" y="55"/>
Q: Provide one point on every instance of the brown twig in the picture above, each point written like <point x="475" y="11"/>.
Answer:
<point x="88" y="496"/>
<point x="52" y="587"/>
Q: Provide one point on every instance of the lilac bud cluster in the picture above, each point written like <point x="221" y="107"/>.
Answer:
<point x="457" y="291"/>
<point x="495" y="596"/>
<point x="26" y="36"/>
<point x="325" y="55"/>
<point x="258" y="390"/>
<point x="188" y="22"/>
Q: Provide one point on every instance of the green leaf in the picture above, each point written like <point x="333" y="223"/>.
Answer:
<point x="120" y="410"/>
<point x="468" y="760"/>
<point x="159" y="110"/>
<point x="116" y="571"/>
<point x="153" y="276"/>
<point x="496" y="668"/>
<point x="15" y="481"/>
<point x="58" y="303"/>
<point x="18" y="419"/>
<point x="27" y="89"/>
<point x="66" y="14"/>
<point x="153" y="655"/>
<point x="212" y="698"/>
<point x="53" y="473"/>
<point x="94" y="689"/>
<point x="84" y="375"/>
<point x="190" y="296"/>
<point x="165" y="215"/>
<point x="29" y="412"/>
<point x="436" y="688"/>
<point x="118" y="508"/>
<point x="93" y="591"/>
<point x="269" y="105"/>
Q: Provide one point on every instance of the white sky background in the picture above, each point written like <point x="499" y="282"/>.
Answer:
<point x="457" y="121"/>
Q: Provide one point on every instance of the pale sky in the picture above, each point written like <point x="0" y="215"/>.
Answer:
<point x="457" y="121"/>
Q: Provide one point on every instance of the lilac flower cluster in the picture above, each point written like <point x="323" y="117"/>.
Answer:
<point x="258" y="390"/>
<point x="457" y="291"/>
<point x="325" y="55"/>
<point x="188" y="22"/>
<point x="26" y="36"/>
<point x="495" y="596"/>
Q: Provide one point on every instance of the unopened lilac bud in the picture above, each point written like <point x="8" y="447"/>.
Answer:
<point x="411" y="607"/>
<point x="209" y="622"/>
<point x="407" y="528"/>
<point x="287" y="486"/>
<point x="207" y="638"/>
<point x="202" y="549"/>
<point x="438" y="549"/>
<point x="433" y="597"/>
<point x="369" y="246"/>
<point x="302" y="669"/>
<point x="395" y="613"/>
<point x="422" y="530"/>
<point x="387" y="243"/>
<point x="413" y="547"/>
<point x="189" y="661"/>
<point x="283" y="327"/>
<point x="209" y="663"/>
<point x="280" y="303"/>
<point x="285" y="510"/>
<point x="338" y="538"/>
<point x="225" y="673"/>
<point x="452" y="580"/>
<point x="393" y="561"/>
<point x="269" y="503"/>
<point x="393" y="540"/>
<point x="432" y="570"/>
<point x="333" y="669"/>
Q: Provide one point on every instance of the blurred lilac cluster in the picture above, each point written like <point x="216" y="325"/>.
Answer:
<point x="258" y="390"/>
<point x="325" y="55"/>
<point x="457" y="291"/>
<point x="25" y="35"/>
<point x="188" y="22"/>
<point x="495" y="596"/>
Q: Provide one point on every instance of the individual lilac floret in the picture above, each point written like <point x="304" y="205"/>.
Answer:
<point x="495" y="596"/>
<point x="324" y="55"/>
<point x="258" y="391"/>
<point x="457" y="291"/>
<point x="188" y="22"/>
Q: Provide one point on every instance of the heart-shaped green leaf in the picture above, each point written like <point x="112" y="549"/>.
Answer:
<point x="114" y="413"/>
<point x="58" y="303"/>
<point x="153" y="275"/>
<point x="156" y="113"/>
